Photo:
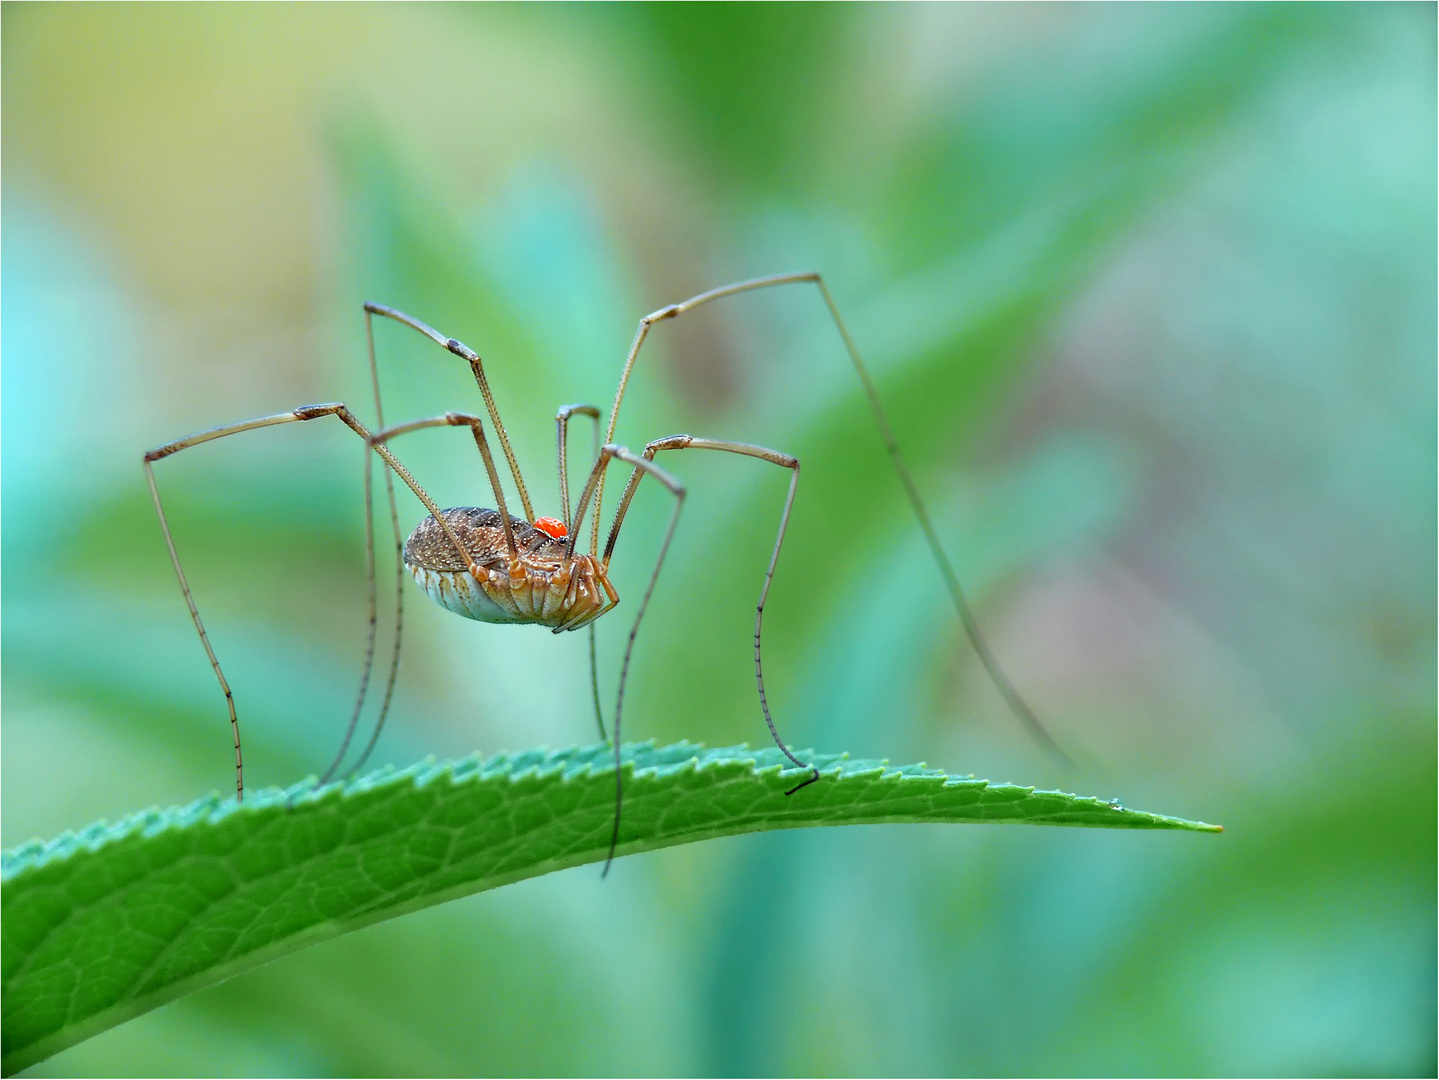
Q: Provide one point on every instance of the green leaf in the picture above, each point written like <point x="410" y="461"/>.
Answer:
<point x="111" y="922"/>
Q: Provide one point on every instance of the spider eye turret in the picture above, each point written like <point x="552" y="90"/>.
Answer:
<point x="552" y="527"/>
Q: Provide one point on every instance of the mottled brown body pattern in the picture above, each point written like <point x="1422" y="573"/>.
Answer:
<point x="543" y="584"/>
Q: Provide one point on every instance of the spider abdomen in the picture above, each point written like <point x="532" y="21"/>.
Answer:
<point x="542" y="585"/>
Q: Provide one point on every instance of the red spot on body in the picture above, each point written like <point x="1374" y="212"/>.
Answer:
<point x="552" y="527"/>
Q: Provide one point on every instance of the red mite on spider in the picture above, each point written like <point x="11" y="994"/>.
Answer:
<point x="487" y="565"/>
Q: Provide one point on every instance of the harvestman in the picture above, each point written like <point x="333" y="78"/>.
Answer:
<point x="486" y="565"/>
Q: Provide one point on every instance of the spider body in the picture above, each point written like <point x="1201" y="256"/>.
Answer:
<point x="490" y="566"/>
<point x="544" y="584"/>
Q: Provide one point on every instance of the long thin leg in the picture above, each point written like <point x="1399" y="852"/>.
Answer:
<point x="687" y="442"/>
<point x="199" y="626"/>
<point x="595" y="683"/>
<point x="399" y="570"/>
<point x="476" y="426"/>
<point x="608" y="453"/>
<point x="562" y="422"/>
<point x="370" y="567"/>
<point x="307" y="412"/>
<point x="464" y="352"/>
<point x="368" y="665"/>
<point x="1011" y="696"/>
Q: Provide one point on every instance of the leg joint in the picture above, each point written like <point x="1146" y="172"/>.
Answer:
<point x="462" y="350"/>
<point x="567" y="411"/>
<point x="669" y="442"/>
<point x="311" y="412"/>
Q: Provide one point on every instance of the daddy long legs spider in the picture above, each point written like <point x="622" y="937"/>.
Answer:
<point x="485" y="564"/>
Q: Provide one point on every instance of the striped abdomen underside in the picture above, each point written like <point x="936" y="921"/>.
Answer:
<point x="544" y="587"/>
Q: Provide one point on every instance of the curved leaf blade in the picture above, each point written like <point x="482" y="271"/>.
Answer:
<point x="116" y="920"/>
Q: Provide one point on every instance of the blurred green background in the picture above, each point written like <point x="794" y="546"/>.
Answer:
<point x="1149" y="293"/>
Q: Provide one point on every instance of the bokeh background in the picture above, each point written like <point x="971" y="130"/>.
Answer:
<point x="1150" y="295"/>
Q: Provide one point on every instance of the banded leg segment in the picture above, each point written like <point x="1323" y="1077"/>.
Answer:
<point x="1012" y="698"/>
<point x="688" y="442"/>
<point x="464" y="352"/>
<point x="308" y="412"/>
<point x="610" y="452"/>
